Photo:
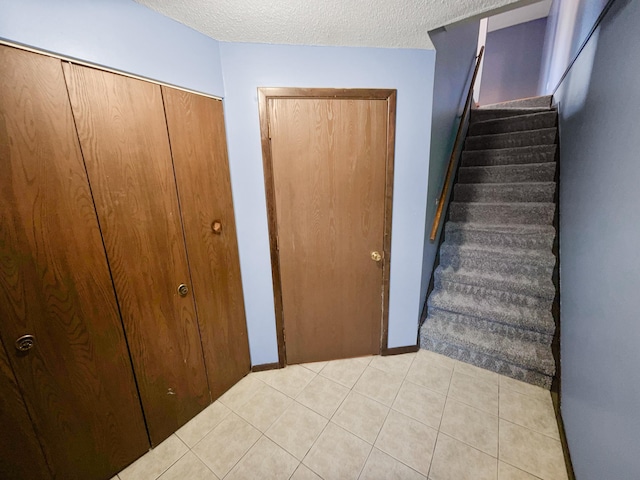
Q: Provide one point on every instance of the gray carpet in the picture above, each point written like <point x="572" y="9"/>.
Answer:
<point x="493" y="290"/>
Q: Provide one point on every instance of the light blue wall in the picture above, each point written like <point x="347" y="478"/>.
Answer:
<point x="119" y="34"/>
<point x="455" y="59"/>
<point x="599" y="106"/>
<point x="512" y="62"/>
<point x="249" y="66"/>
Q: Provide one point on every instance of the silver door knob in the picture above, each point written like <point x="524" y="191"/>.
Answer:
<point x="25" y="343"/>
<point x="183" y="290"/>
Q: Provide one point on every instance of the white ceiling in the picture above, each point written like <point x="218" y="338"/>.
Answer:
<point x="361" y="23"/>
<point x="520" y="15"/>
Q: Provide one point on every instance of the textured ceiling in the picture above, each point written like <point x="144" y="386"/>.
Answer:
<point x="362" y="23"/>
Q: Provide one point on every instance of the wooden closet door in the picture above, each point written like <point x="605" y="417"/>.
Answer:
<point x="199" y="148"/>
<point x="123" y="134"/>
<point x="77" y="380"/>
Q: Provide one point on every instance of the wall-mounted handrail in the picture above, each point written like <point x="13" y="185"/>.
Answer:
<point x="455" y="153"/>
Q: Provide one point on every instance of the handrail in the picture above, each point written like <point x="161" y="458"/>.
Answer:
<point x="455" y="152"/>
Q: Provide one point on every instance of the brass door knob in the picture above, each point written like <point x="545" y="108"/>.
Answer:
<point x="183" y="290"/>
<point x="216" y="227"/>
<point x="25" y="343"/>
<point x="376" y="257"/>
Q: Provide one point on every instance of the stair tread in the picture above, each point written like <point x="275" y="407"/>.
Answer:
<point x="521" y="229"/>
<point x="493" y="310"/>
<point x="526" y="114"/>
<point x="525" y="254"/>
<point x="452" y="328"/>
<point x="537" y="101"/>
<point x="513" y="123"/>
<point x="515" y="166"/>
<point x="514" y="134"/>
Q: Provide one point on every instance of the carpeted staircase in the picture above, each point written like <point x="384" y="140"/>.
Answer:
<point x="493" y="290"/>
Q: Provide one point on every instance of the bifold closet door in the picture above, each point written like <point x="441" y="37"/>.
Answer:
<point x="59" y="319"/>
<point x="199" y="148"/>
<point x="123" y="135"/>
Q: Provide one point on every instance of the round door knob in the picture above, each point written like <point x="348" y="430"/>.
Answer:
<point x="183" y="290"/>
<point x="25" y="343"/>
<point x="376" y="257"/>
<point x="216" y="227"/>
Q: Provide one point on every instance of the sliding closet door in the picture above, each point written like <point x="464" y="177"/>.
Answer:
<point x="124" y="140"/>
<point x="199" y="147"/>
<point x="59" y="319"/>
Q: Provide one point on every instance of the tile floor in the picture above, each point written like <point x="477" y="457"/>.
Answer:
<point x="413" y="416"/>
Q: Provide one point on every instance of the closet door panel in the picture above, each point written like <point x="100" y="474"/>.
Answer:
<point x="77" y="378"/>
<point x="198" y="144"/>
<point x="124" y="140"/>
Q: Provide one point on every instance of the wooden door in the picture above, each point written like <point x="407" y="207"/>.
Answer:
<point x="199" y="149"/>
<point x="123" y="134"/>
<point x="77" y="380"/>
<point x="329" y="159"/>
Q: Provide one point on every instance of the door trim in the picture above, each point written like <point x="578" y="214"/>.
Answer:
<point x="264" y="95"/>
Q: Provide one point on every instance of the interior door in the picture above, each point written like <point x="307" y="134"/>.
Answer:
<point x="329" y="161"/>
<point x="123" y="135"/>
<point x="199" y="148"/>
<point x="75" y="373"/>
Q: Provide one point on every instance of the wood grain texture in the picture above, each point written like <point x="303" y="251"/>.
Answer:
<point x="329" y="171"/>
<point x="199" y="150"/>
<point x="123" y="134"/>
<point x="21" y="456"/>
<point x="77" y="381"/>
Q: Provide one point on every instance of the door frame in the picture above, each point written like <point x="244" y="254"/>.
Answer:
<point x="264" y="95"/>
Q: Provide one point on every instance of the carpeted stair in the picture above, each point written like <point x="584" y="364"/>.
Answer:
<point x="493" y="290"/>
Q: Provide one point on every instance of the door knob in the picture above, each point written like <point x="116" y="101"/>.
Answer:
<point x="25" y="343"/>
<point x="376" y="257"/>
<point x="216" y="227"/>
<point x="183" y="290"/>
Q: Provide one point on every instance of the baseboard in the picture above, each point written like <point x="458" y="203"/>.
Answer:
<point x="265" y="366"/>
<point x="563" y="441"/>
<point x="399" y="350"/>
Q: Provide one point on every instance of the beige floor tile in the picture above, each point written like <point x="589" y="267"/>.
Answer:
<point x="522" y="387"/>
<point x="407" y="440"/>
<point x="196" y="429"/>
<point x="431" y="372"/>
<point x="289" y="380"/>
<point x="473" y="371"/>
<point x="507" y="472"/>
<point x="297" y="429"/>
<point x="379" y="385"/>
<point x="264" y="408"/>
<point x="435" y="359"/>
<point x="346" y="372"/>
<point x="471" y="426"/>
<point x="454" y="460"/>
<point x="475" y="391"/>
<point x="420" y="403"/>
<point x="266" y="461"/>
<point x="337" y="454"/>
<point x="381" y="466"/>
<point x="315" y="366"/>
<point x="242" y="391"/>
<point x="304" y="473"/>
<point x="156" y="461"/>
<point x="394" y="364"/>
<point x="188" y="467"/>
<point x="532" y="452"/>
<point x="221" y="449"/>
<point x="534" y="412"/>
<point x="361" y="416"/>
<point x="323" y="396"/>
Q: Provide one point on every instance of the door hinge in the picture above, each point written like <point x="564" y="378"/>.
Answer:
<point x="269" y="129"/>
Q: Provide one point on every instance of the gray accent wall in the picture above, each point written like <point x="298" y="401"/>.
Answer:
<point x="512" y="62"/>
<point x="599" y="105"/>
<point x="455" y="53"/>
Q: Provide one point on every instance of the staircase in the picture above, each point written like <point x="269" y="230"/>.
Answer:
<point x="493" y="294"/>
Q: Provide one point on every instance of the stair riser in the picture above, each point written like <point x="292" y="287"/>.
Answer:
<point x="508" y="214"/>
<point x="512" y="298"/>
<point x="476" y="158"/>
<point x="494" y="239"/>
<point x="478" y="115"/>
<point x="511" y="140"/>
<point x="495" y="265"/>
<point x="514" y="124"/>
<point x="504" y="193"/>
<point x="534" y="173"/>
<point x="536" y="287"/>
<point x="487" y="362"/>
<point x="529" y="102"/>
<point x="515" y="316"/>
